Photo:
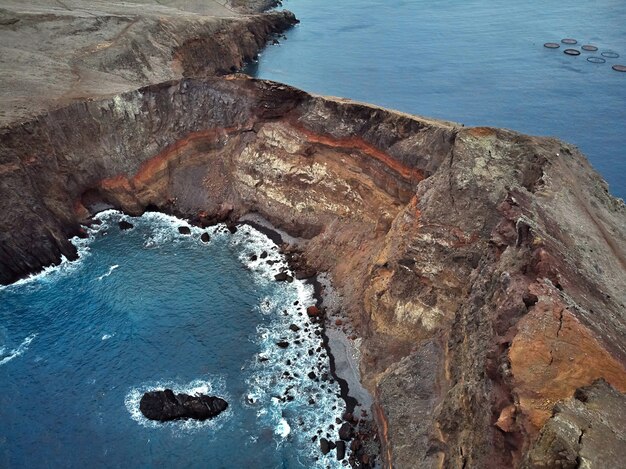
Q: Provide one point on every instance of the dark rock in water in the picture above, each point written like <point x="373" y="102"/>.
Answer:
<point x="184" y="230"/>
<point x="232" y="228"/>
<point x="283" y="344"/>
<point x="312" y="375"/>
<point x="165" y="405"/>
<point x="346" y="432"/>
<point x="282" y="277"/>
<point x="124" y="225"/>
<point x="205" y="237"/>
<point x="253" y="257"/>
<point x="294" y="328"/>
<point x="263" y="254"/>
<point x="341" y="449"/>
<point x="324" y="446"/>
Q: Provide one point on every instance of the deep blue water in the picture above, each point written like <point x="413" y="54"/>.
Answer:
<point x="476" y="62"/>
<point x="150" y="308"/>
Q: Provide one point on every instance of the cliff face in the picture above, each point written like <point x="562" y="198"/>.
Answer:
<point x="485" y="269"/>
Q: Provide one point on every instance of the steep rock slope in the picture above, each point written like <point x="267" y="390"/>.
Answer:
<point x="485" y="270"/>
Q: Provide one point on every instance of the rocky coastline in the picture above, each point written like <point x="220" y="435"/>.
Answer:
<point x="484" y="270"/>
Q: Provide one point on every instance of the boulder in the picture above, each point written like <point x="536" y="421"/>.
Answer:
<point x="283" y="277"/>
<point x="313" y="311"/>
<point x="341" y="449"/>
<point x="294" y="328"/>
<point x="165" y="406"/>
<point x="124" y="225"/>
<point x="205" y="237"/>
<point x="346" y="432"/>
<point x="324" y="446"/>
<point x="184" y="230"/>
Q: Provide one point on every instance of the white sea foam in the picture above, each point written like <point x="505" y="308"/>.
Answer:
<point x="283" y="400"/>
<point x="7" y="357"/>
<point x="283" y="429"/>
<point x="214" y="385"/>
<point x="107" y="336"/>
<point x="109" y="272"/>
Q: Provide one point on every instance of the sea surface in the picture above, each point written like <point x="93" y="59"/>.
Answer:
<point x="150" y="308"/>
<point x="476" y="62"/>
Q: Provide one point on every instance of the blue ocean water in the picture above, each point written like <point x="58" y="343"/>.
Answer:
<point x="476" y="62"/>
<point x="150" y="308"/>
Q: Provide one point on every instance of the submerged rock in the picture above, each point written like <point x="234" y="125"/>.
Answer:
<point x="165" y="406"/>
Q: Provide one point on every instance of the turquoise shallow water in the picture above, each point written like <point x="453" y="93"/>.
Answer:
<point x="476" y="62"/>
<point x="150" y="308"/>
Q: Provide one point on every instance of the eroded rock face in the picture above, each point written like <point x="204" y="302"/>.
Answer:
<point x="585" y="431"/>
<point x="165" y="406"/>
<point x="483" y="268"/>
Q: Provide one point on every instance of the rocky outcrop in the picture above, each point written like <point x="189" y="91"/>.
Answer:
<point x="586" y="430"/>
<point x="485" y="270"/>
<point x="165" y="406"/>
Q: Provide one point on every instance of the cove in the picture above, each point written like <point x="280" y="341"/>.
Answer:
<point x="149" y="308"/>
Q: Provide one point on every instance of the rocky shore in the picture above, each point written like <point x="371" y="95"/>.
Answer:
<point x="484" y="271"/>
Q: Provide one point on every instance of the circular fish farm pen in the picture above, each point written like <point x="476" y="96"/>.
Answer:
<point x="571" y="52"/>
<point x="619" y="68"/>
<point x="569" y="41"/>
<point x="552" y="45"/>
<point x="596" y="60"/>
<point x="609" y="54"/>
<point x="589" y="48"/>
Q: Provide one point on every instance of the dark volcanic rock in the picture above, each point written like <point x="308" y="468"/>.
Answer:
<point x="124" y="225"/>
<point x="283" y="277"/>
<point x="341" y="449"/>
<point x="184" y="230"/>
<point x="165" y="406"/>
<point x="283" y="344"/>
<point x="346" y="432"/>
<point x="324" y="446"/>
<point x="205" y="238"/>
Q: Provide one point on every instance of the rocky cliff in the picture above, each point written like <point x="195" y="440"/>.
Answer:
<point x="484" y="269"/>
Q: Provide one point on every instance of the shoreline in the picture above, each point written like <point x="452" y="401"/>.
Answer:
<point x="342" y="352"/>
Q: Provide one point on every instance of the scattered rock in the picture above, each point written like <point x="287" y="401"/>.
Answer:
<point x="346" y="432"/>
<point x="313" y="311"/>
<point x="165" y="406"/>
<point x="341" y="449"/>
<point x="184" y="230"/>
<point x="253" y="257"/>
<point x="283" y="277"/>
<point x="263" y="254"/>
<point x="324" y="446"/>
<point x="283" y="344"/>
<point x="312" y="375"/>
<point x="205" y="238"/>
<point x="232" y="228"/>
<point x="124" y="225"/>
<point x="294" y="328"/>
